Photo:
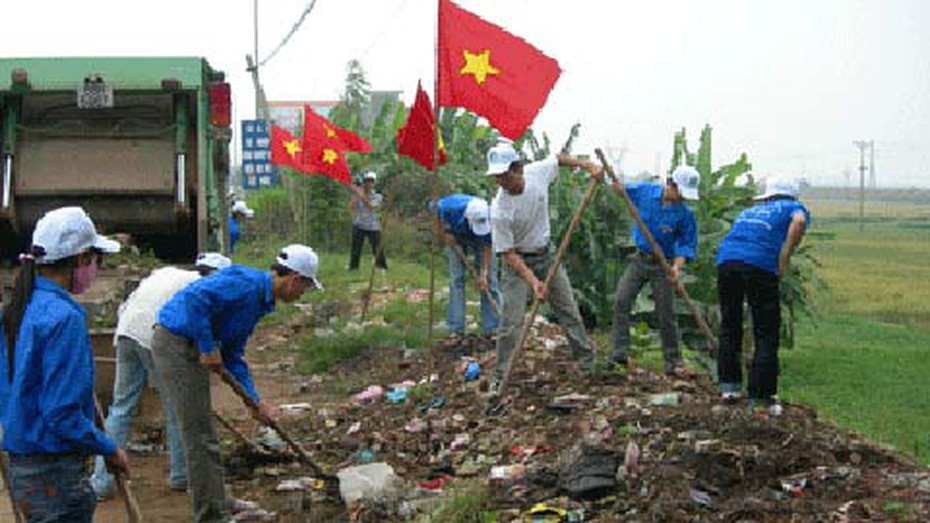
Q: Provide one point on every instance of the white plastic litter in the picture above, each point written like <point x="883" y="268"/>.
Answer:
<point x="374" y="481"/>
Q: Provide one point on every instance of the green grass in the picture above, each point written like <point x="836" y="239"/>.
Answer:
<point x="468" y="502"/>
<point x="400" y="322"/>
<point x="865" y="363"/>
<point x="883" y="272"/>
<point x="320" y="353"/>
<point x="864" y="375"/>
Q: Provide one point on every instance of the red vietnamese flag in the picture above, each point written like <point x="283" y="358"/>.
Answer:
<point x="286" y="149"/>
<point x="491" y="72"/>
<point x="417" y="137"/>
<point x="325" y="144"/>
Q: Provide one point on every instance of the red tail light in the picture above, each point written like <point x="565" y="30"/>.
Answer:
<point x="220" y="104"/>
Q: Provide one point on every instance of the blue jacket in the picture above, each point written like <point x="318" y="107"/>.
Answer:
<point x="452" y="214"/>
<point x="49" y="407"/>
<point x="672" y="225"/>
<point x="233" y="234"/>
<point x="222" y="308"/>
<point x="758" y="234"/>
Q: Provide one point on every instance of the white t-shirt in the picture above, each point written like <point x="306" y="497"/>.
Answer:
<point x="138" y="314"/>
<point x="521" y="221"/>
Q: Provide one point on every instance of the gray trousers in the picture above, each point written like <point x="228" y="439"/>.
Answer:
<point x="642" y="268"/>
<point x="187" y="383"/>
<point x="514" y="291"/>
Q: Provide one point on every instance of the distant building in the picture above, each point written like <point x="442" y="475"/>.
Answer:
<point x="289" y="114"/>
<point x="378" y="99"/>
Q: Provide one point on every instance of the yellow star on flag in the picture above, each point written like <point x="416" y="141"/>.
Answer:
<point x="330" y="156"/>
<point x="478" y="65"/>
<point x="292" y="147"/>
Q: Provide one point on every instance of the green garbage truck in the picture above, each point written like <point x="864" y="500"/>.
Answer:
<point x="142" y="143"/>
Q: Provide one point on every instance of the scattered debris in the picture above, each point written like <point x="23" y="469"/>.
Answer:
<point x="374" y="481"/>
<point x="570" y="447"/>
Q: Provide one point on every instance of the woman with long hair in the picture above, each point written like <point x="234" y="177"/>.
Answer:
<point x="47" y="373"/>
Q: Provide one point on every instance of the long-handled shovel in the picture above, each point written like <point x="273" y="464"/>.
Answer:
<point x="122" y="482"/>
<point x="657" y="251"/>
<point x="9" y="488"/>
<point x="471" y="272"/>
<point x="239" y="436"/>
<point x="302" y="454"/>
<point x="553" y="267"/>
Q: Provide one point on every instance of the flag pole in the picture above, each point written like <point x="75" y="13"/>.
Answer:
<point x="434" y="244"/>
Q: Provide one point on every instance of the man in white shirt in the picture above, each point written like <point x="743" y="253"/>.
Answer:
<point x="521" y="234"/>
<point x="134" y="364"/>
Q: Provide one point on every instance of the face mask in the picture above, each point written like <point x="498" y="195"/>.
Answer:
<point x="82" y="277"/>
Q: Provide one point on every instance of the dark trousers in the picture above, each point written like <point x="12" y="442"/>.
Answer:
<point x="736" y="281"/>
<point x="641" y="269"/>
<point x="374" y="238"/>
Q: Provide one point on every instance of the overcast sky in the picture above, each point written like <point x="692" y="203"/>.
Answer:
<point x="792" y="83"/>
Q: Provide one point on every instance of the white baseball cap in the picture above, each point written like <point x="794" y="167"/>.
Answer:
<point x="779" y="187"/>
<point x="240" y="207"/>
<point x="213" y="260"/>
<point x="687" y="179"/>
<point x="500" y="157"/>
<point x="302" y="260"/>
<point x="370" y="175"/>
<point x="478" y="215"/>
<point x="66" y="232"/>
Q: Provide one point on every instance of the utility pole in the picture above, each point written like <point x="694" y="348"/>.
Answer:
<point x="861" y="144"/>
<point x="258" y="111"/>
<point x="872" y="164"/>
<point x="261" y="109"/>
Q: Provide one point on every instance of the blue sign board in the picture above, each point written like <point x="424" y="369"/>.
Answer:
<point x="257" y="169"/>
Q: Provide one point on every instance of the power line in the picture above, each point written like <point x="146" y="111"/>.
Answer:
<point x="293" y="31"/>
<point x="384" y="29"/>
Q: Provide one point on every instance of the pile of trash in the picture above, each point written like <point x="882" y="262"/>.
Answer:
<point x="401" y="428"/>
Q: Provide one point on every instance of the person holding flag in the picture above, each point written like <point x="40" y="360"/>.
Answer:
<point x="364" y="205"/>
<point x="521" y="231"/>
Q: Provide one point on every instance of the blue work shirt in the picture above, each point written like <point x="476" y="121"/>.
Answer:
<point x="233" y="234"/>
<point x="222" y="308"/>
<point x="672" y="225"/>
<point x="49" y="406"/>
<point x="758" y="234"/>
<point x="452" y="214"/>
